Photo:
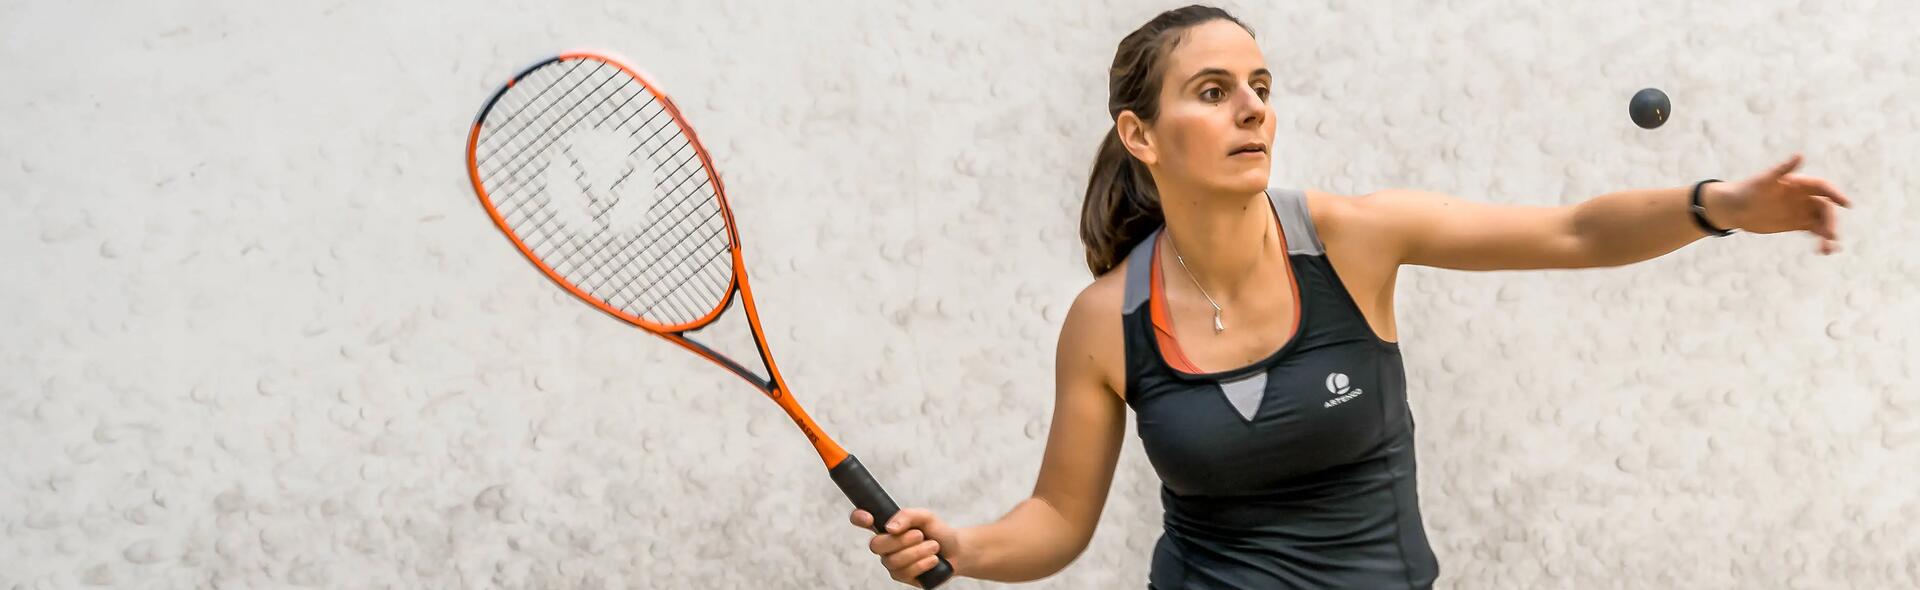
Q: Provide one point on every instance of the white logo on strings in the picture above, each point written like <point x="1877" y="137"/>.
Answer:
<point x="601" y="178"/>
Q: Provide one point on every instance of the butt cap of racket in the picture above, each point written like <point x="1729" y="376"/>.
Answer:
<point x="859" y="486"/>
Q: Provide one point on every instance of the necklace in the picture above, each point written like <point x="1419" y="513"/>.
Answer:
<point x="1218" y="327"/>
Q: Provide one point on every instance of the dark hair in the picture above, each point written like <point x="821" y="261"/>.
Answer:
<point x="1122" y="204"/>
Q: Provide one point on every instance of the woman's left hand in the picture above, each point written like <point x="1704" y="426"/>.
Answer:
<point x="1778" y="200"/>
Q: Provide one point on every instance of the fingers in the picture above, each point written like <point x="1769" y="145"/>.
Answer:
<point x="909" y="563"/>
<point x="1827" y="226"/>
<point x="906" y="555"/>
<point x="1819" y="186"/>
<point x="1828" y="247"/>
<point x="903" y="531"/>
<point x="884" y="545"/>
<point x="1824" y="228"/>
<point x="910" y="557"/>
<point x="907" y="547"/>
<point x="920" y="567"/>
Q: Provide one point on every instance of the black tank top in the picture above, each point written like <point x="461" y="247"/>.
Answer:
<point x="1296" y="471"/>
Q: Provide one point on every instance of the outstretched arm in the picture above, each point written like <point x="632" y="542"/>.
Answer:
<point x="1614" y="229"/>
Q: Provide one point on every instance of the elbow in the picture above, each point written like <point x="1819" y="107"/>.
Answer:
<point x="1071" y="552"/>
<point x="1579" y="250"/>
<point x="1589" y="258"/>
<point x="1058" y="563"/>
<point x="1068" y="539"/>
<point x="1602" y="255"/>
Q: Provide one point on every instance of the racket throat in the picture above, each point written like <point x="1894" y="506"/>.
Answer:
<point x="765" y="384"/>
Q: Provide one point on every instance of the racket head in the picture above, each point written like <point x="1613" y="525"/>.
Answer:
<point x="596" y="177"/>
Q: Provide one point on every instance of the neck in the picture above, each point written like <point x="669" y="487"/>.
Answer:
<point x="1222" y="238"/>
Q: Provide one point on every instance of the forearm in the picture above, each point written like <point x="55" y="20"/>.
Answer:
<point x="1032" y="541"/>
<point x="1631" y="226"/>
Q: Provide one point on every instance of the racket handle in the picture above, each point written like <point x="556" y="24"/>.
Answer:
<point x="859" y="486"/>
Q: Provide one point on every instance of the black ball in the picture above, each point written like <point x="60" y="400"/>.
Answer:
<point x="1649" y="108"/>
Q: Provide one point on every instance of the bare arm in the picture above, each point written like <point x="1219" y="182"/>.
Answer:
<point x="1608" y="230"/>
<point x="1613" y="229"/>
<point x="1047" y="531"/>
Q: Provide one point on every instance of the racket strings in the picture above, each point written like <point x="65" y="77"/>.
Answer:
<point x="519" y="158"/>
<point x="670" y="221"/>
<point x="563" y="263"/>
<point x="670" y="262"/>
<point x="701" y="257"/>
<point x="509" y="205"/>
<point x="489" y="146"/>
<point x="648" y="241"/>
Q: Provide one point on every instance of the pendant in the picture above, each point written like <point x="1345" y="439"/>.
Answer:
<point x="1217" y="326"/>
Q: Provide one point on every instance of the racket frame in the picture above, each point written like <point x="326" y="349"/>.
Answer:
<point x="774" y="386"/>
<point x="847" y="472"/>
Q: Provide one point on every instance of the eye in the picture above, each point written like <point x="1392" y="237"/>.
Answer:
<point x="1262" y="91"/>
<point x="1211" y="94"/>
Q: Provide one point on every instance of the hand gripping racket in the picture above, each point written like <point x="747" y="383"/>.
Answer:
<point x="596" y="177"/>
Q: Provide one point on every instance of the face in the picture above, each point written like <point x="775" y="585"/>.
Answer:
<point x="1215" y="127"/>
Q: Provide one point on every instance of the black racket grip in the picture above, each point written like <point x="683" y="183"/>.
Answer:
<point x="859" y="486"/>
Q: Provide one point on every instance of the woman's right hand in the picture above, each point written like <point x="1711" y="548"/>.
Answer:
<point x="912" y="539"/>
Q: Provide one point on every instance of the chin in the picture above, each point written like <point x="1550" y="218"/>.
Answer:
<point x="1251" y="181"/>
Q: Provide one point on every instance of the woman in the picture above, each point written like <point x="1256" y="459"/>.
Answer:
<point x="1252" y="332"/>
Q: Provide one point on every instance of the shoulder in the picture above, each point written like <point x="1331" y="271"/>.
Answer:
<point x="1096" y="310"/>
<point x="1365" y="236"/>
<point x="1371" y="213"/>
<point x="1092" y="338"/>
<point x="1361" y="208"/>
<point x="1331" y="210"/>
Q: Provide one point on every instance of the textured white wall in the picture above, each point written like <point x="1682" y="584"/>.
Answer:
<point x="257" y="333"/>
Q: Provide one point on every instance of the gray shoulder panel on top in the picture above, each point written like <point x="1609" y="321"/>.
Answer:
<point x="1291" y="206"/>
<point x="1139" y="269"/>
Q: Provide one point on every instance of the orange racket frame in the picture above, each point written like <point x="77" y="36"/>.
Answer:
<point x="844" y="468"/>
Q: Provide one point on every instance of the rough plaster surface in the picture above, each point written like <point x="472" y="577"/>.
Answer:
<point x="258" y="334"/>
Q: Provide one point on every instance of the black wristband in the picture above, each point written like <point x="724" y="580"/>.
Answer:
<point x="1700" y="212"/>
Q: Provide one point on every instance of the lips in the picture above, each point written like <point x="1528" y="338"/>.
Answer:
<point x="1249" y="148"/>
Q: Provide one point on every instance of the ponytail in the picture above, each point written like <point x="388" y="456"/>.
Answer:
<point x="1122" y="206"/>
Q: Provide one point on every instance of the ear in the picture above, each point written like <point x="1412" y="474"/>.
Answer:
<point x="1137" y="137"/>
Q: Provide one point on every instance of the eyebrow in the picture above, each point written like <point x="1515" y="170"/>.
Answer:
<point x="1222" y="72"/>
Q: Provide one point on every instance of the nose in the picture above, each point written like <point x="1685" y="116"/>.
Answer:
<point x="1253" y="111"/>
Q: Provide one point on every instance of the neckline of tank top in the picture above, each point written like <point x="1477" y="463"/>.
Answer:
<point x="1154" y="297"/>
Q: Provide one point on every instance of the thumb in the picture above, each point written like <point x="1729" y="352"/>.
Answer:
<point x="911" y="518"/>
<point x="1784" y="168"/>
